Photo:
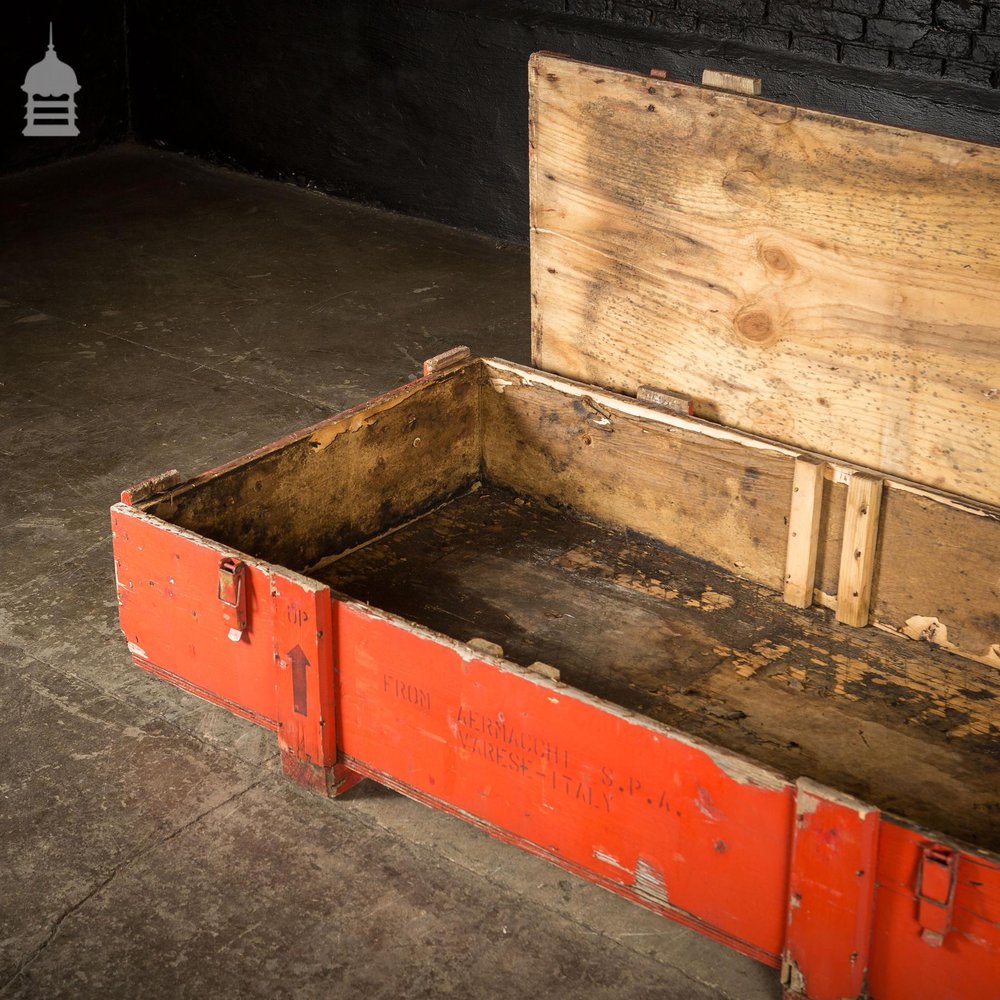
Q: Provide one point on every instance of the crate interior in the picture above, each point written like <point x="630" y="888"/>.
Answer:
<point x="642" y="561"/>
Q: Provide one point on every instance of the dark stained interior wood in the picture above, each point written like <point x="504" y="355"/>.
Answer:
<point x="900" y="724"/>
<point x="717" y="497"/>
<point x="941" y="558"/>
<point x="343" y="481"/>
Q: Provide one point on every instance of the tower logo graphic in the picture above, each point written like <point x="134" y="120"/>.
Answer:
<point x="51" y="88"/>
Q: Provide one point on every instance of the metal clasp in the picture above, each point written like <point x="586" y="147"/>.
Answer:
<point x="936" y="880"/>
<point x="233" y="596"/>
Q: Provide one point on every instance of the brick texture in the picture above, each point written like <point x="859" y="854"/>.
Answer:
<point x="958" y="40"/>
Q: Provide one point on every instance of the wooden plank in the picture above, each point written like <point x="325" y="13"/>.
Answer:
<point x="857" y="558"/>
<point x="937" y="575"/>
<point x="304" y="683"/>
<point x="831" y="895"/>
<point x="151" y="486"/>
<point x="447" y="359"/>
<point x="803" y="531"/>
<point x="936" y="562"/>
<point x="822" y="281"/>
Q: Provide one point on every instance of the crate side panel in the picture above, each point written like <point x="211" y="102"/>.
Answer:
<point x="699" y="836"/>
<point x="348" y="479"/>
<point x="715" y="499"/>
<point x="904" y="964"/>
<point x="831" y="894"/>
<point x="170" y="612"/>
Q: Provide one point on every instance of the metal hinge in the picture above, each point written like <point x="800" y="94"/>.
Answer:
<point x="750" y="86"/>
<point x="936" y="880"/>
<point x="233" y="596"/>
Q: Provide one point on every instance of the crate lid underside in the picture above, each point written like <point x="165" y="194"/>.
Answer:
<point x="823" y="281"/>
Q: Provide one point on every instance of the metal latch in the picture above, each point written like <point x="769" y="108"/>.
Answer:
<point x="233" y="595"/>
<point x="936" y="879"/>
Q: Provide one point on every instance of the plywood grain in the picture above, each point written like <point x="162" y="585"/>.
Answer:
<point x="822" y="281"/>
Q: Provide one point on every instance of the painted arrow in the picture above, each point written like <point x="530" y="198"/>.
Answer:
<point x="300" y="662"/>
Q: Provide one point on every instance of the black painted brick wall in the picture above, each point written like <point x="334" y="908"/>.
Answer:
<point x="421" y="105"/>
<point x="958" y="40"/>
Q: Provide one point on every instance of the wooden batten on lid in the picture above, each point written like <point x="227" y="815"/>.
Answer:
<point x="825" y="282"/>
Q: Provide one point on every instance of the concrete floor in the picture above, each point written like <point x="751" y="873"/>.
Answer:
<point x="158" y="313"/>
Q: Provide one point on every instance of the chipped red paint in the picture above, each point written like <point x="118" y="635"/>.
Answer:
<point x="831" y="894"/>
<point x="771" y="868"/>
<point x="170" y="613"/>
<point x="602" y="792"/>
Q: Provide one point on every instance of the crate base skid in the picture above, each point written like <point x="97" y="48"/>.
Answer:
<point x="330" y="780"/>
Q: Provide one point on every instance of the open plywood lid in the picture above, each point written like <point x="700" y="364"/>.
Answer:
<point x="818" y="280"/>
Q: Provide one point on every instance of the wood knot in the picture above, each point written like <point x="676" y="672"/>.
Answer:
<point x="746" y="188"/>
<point x="756" y="325"/>
<point x="775" y="260"/>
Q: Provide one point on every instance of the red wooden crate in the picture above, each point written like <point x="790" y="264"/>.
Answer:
<point x="221" y="590"/>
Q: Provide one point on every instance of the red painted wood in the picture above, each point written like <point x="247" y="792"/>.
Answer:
<point x="696" y="834"/>
<point x="978" y="887"/>
<point x="688" y="830"/>
<point x="831" y="894"/>
<point x="303" y="656"/>
<point x="171" y="615"/>
<point x="303" y="677"/>
<point x="904" y="966"/>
